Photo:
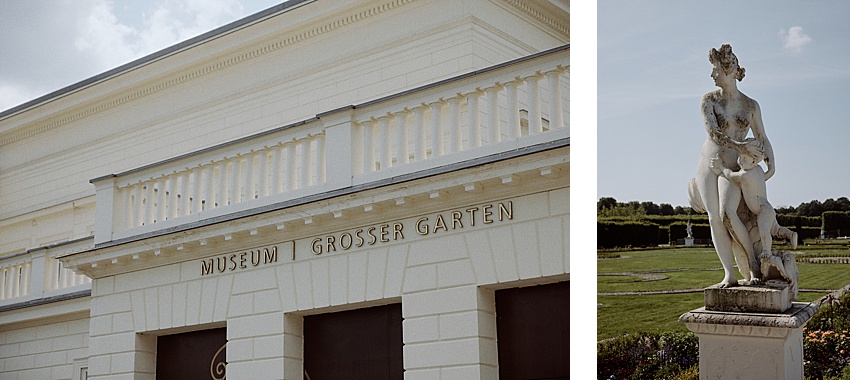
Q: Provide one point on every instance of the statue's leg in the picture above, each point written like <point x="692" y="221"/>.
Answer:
<point x="783" y="232"/>
<point x="706" y="182"/>
<point x="766" y="220"/>
<point x="730" y="200"/>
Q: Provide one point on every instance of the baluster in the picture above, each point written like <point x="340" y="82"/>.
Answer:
<point x="48" y="273"/>
<point x="556" y="111"/>
<point x="277" y="175"/>
<point x="2" y="283"/>
<point x="73" y="278"/>
<point x="140" y="204"/>
<point x="262" y="181"/>
<point x="54" y="277"/>
<point x="401" y="137"/>
<point x="196" y="189"/>
<point x="233" y="187"/>
<point x="185" y="192"/>
<point x="513" y="109"/>
<point x="368" y="149"/>
<point x="419" y="148"/>
<point x="144" y="201"/>
<point x="455" y="138"/>
<point x="221" y="175"/>
<point x="129" y="195"/>
<point x="473" y="124"/>
<point x="64" y="275"/>
<point x="16" y="280"/>
<point x="493" y="120"/>
<point x="290" y="165"/>
<point x="150" y="201"/>
<point x="160" y="199"/>
<point x="209" y="188"/>
<point x="173" y="191"/>
<point x="25" y="281"/>
<point x="535" y="124"/>
<point x="437" y="128"/>
<point x="250" y="175"/>
<point x="305" y="162"/>
<point x="167" y="190"/>
<point x="321" y="159"/>
<point x="384" y="141"/>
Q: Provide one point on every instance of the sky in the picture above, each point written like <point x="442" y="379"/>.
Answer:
<point x="652" y="70"/>
<point x="46" y="45"/>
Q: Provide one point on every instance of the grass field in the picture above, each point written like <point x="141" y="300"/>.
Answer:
<point x="680" y="269"/>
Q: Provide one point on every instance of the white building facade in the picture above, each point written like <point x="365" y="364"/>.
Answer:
<point x="376" y="188"/>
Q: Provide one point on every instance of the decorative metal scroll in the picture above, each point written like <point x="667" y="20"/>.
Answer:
<point x="218" y="365"/>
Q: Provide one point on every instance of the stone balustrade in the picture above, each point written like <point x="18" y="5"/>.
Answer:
<point x="33" y="275"/>
<point x="478" y="114"/>
<point x="491" y="111"/>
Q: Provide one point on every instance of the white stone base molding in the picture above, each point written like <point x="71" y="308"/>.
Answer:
<point x="736" y="345"/>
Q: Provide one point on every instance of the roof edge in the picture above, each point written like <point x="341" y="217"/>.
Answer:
<point x="155" y="56"/>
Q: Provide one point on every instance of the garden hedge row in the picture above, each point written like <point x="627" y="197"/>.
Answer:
<point x="626" y="234"/>
<point x="836" y="223"/>
<point x="614" y="234"/>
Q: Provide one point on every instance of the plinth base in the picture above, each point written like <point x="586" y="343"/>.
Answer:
<point x="768" y="298"/>
<point x="736" y="345"/>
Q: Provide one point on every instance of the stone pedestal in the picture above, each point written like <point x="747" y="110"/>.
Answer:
<point x="689" y="241"/>
<point x="767" y="298"/>
<point x="750" y="345"/>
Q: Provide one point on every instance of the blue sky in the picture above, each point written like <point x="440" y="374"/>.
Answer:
<point x="653" y="68"/>
<point x="49" y="44"/>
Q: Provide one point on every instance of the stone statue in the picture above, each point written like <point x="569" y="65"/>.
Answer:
<point x="729" y="116"/>
<point x="751" y="179"/>
<point x="688" y="230"/>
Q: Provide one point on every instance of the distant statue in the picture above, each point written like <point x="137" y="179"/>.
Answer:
<point x="729" y="116"/>
<point x="688" y="230"/>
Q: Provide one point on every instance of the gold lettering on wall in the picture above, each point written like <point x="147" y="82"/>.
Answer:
<point x="441" y="223"/>
<point x="234" y="261"/>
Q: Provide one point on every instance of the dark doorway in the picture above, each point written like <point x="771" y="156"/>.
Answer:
<point x="533" y="332"/>
<point x="356" y="344"/>
<point x="192" y="355"/>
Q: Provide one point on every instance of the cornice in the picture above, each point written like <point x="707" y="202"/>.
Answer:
<point x="288" y="40"/>
<point x="526" y="7"/>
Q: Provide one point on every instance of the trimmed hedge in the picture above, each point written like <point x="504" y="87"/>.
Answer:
<point x="836" y="223"/>
<point x="626" y="234"/>
<point x="807" y="232"/>
<point x="790" y="221"/>
<point x="621" y="233"/>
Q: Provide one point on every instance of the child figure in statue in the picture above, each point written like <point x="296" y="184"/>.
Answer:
<point x="751" y="179"/>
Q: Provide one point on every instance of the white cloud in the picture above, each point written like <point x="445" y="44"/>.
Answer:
<point x="101" y="33"/>
<point x="12" y="95"/>
<point x="794" y="39"/>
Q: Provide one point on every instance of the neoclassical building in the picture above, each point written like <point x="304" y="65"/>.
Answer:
<point x="328" y="189"/>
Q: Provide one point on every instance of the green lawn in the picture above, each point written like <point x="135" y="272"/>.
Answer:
<point x="690" y="268"/>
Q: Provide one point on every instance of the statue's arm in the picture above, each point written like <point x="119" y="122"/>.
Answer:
<point x="759" y="134"/>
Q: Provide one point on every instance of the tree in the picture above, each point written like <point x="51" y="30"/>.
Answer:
<point x="667" y="209"/>
<point x="651" y="208"/>
<point x="605" y="203"/>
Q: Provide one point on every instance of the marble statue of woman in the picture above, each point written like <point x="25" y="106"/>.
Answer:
<point x="729" y="116"/>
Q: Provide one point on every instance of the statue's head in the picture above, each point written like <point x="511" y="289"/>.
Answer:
<point x="726" y="60"/>
<point x="750" y="160"/>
